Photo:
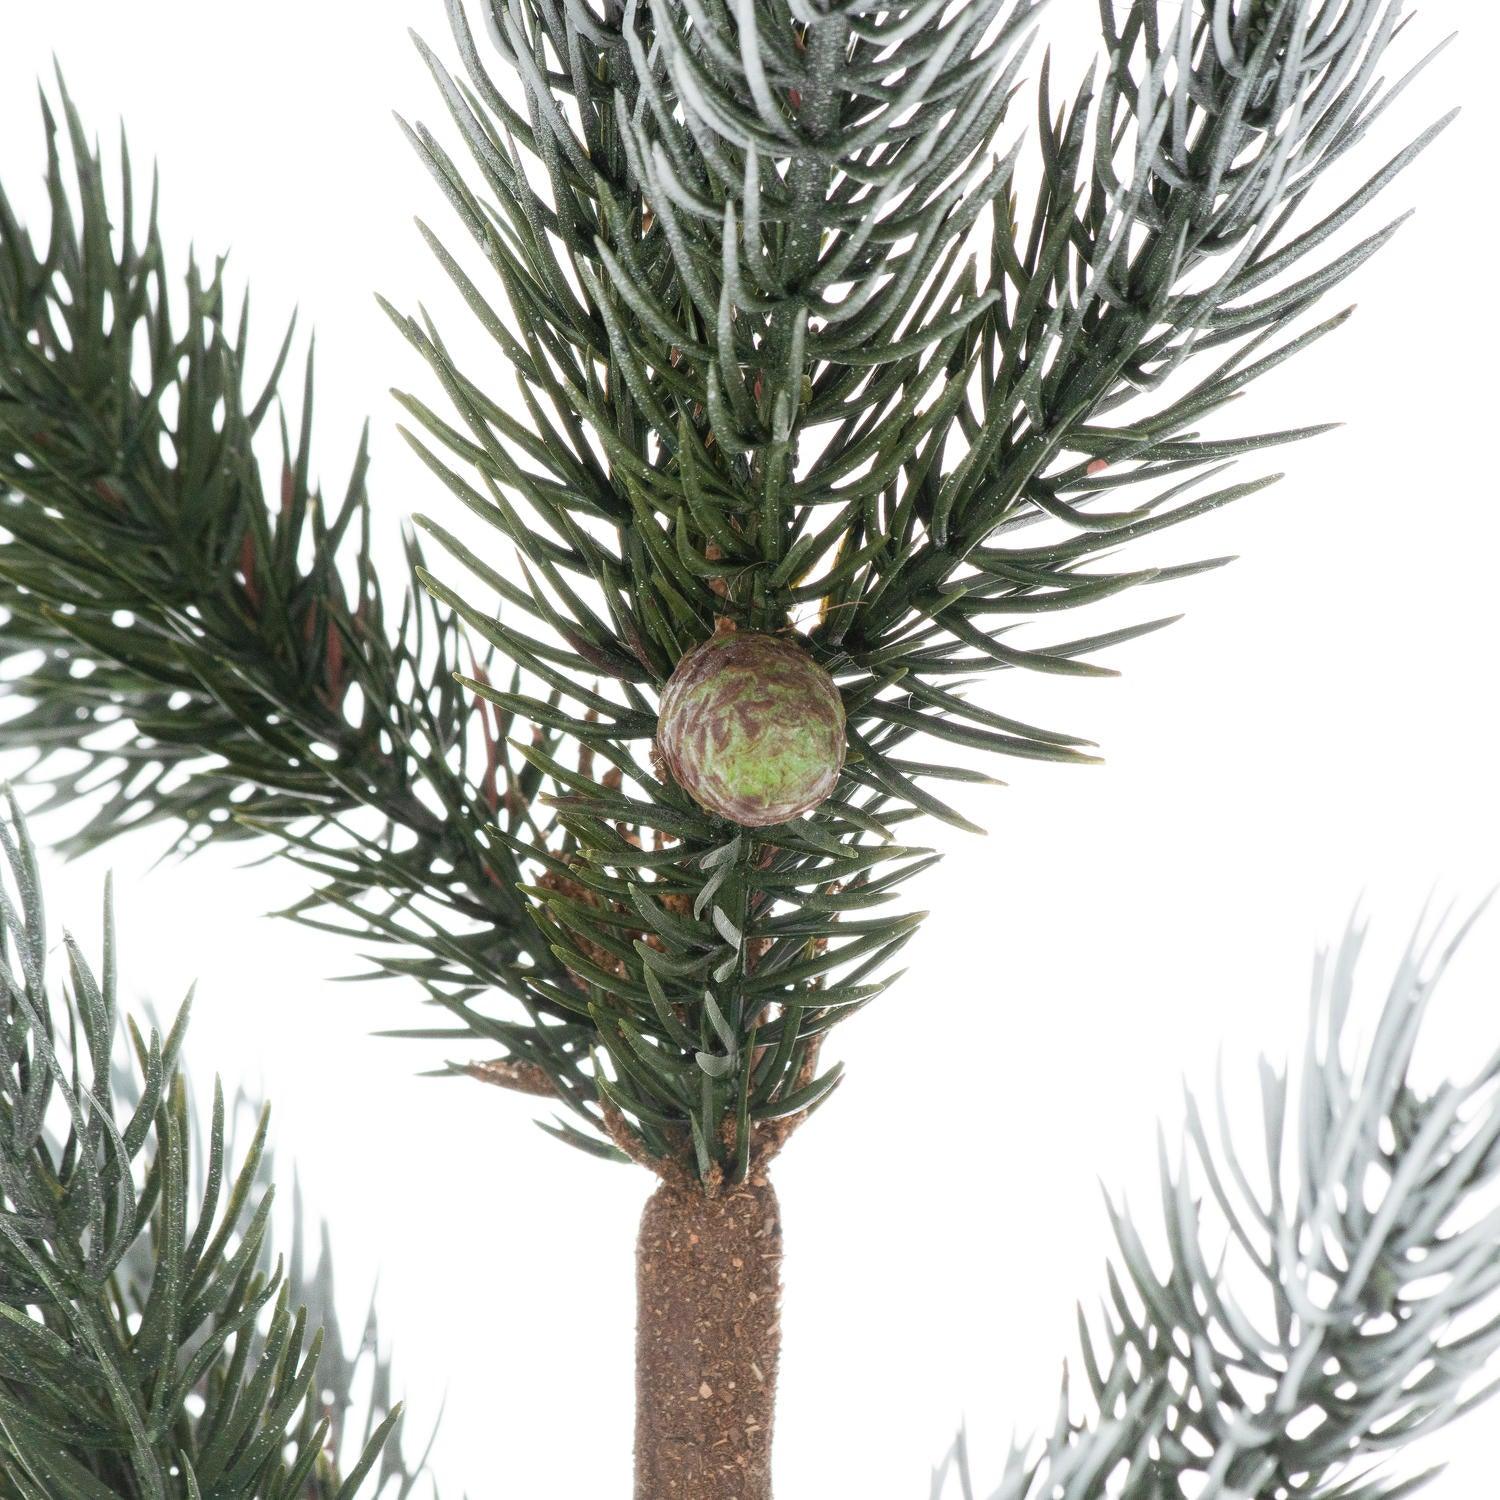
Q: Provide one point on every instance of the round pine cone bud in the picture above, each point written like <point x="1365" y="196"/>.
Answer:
<point x="752" y="728"/>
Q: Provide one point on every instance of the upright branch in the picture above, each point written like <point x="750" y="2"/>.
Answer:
<point x="792" y="360"/>
<point x="152" y="1344"/>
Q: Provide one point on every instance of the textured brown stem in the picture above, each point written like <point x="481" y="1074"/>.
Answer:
<point x="508" y="1073"/>
<point x="708" y="1334"/>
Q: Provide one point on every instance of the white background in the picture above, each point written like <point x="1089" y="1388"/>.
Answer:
<point x="1320" y="729"/>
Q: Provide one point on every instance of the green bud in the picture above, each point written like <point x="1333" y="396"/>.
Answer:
<point x="752" y="728"/>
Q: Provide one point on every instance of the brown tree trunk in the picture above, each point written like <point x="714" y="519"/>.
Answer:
<point x="708" y="1334"/>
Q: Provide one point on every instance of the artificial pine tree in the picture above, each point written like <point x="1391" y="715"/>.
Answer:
<point x="823" y="397"/>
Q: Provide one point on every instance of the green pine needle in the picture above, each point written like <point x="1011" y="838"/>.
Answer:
<point x="150" y="1344"/>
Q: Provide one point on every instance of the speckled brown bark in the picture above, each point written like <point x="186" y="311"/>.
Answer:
<point x="708" y="1335"/>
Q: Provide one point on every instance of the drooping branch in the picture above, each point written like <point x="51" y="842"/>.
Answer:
<point x="197" y="645"/>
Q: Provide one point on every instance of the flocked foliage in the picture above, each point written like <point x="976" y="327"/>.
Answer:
<point x="791" y="352"/>
<point x="151" y="1344"/>
<point x="1330" y="1291"/>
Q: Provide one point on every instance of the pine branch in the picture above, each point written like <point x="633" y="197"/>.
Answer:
<point x="771" y="372"/>
<point x="1332" y="1288"/>
<point x="196" y="647"/>
<point x="152" y="1348"/>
